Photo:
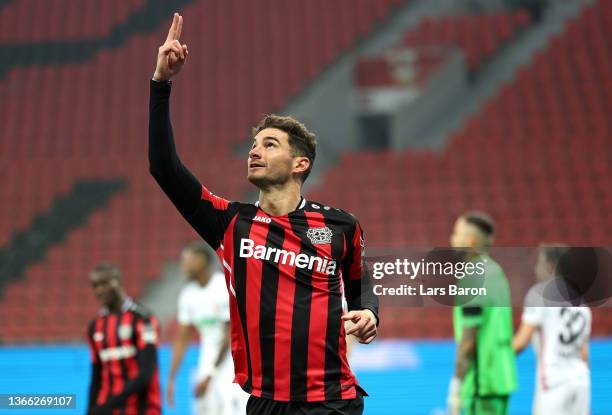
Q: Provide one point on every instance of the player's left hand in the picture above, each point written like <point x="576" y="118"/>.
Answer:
<point x="364" y="328"/>
<point x="201" y="387"/>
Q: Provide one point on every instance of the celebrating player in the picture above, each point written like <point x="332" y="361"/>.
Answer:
<point x="203" y="304"/>
<point x="123" y="342"/>
<point x="485" y="372"/>
<point x="287" y="261"/>
<point x="559" y="329"/>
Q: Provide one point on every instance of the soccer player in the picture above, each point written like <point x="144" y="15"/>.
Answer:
<point x="485" y="371"/>
<point x="560" y="335"/>
<point x="287" y="261"/>
<point x="123" y="341"/>
<point x="203" y="304"/>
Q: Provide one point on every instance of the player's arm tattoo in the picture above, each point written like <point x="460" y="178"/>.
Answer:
<point x="465" y="351"/>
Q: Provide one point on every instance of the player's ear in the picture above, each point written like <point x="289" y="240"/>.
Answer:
<point x="300" y="164"/>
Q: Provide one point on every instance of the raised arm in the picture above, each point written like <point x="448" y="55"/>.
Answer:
<point x="183" y="189"/>
<point x="208" y="214"/>
<point x="164" y="164"/>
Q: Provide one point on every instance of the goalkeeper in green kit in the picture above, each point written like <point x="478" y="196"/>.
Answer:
<point x="485" y="370"/>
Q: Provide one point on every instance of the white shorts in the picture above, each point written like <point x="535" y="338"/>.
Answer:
<point x="568" y="398"/>
<point x="222" y="396"/>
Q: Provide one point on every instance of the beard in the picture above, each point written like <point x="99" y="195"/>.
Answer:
<point x="264" y="182"/>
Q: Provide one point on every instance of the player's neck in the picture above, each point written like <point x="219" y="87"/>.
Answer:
<point x="115" y="306"/>
<point x="203" y="278"/>
<point x="278" y="201"/>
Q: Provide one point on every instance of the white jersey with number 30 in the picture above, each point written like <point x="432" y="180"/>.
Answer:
<point x="561" y="333"/>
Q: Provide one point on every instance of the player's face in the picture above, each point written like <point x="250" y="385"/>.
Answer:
<point x="542" y="269"/>
<point x="462" y="235"/>
<point x="192" y="264"/>
<point x="271" y="160"/>
<point x="105" y="288"/>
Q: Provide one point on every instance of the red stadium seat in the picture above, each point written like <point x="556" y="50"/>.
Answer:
<point x="537" y="156"/>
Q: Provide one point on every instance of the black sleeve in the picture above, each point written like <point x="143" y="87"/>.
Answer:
<point x="164" y="164"/>
<point x="147" y="362"/>
<point x="358" y="285"/>
<point x="96" y="372"/>
<point x="208" y="214"/>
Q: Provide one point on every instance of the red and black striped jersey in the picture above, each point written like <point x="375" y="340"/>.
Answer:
<point x="125" y="377"/>
<point x="286" y="276"/>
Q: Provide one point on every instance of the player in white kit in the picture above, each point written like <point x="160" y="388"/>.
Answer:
<point x="559" y="326"/>
<point x="203" y="304"/>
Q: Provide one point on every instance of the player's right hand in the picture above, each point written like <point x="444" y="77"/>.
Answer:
<point x="453" y="401"/>
<point x="172" y="54"/>
<point x="170" y="393"/>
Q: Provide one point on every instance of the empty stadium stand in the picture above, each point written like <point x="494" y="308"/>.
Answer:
<point x="478" y="35"/>
<point x="75" y="107"/>
<point x="537" y="157"/>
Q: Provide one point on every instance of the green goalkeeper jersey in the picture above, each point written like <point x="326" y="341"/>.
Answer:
<point x="492" y="371"/>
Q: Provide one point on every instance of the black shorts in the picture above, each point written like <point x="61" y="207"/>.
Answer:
<point x="263" y="406"/>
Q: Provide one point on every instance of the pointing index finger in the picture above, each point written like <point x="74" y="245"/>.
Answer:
<point x="179" y="28"/>
<point x="173" y="28"/>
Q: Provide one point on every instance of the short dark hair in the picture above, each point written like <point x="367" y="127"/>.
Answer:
<point x="107" y="268"/>
<point x="200" y="248"/>
<point x="302" y="141"/>
<point x="480" y="220"/>
<point x="553" y="252"/>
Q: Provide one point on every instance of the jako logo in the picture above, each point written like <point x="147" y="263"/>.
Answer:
<point x="262" y="219"/>
<point x="248" y="249"/>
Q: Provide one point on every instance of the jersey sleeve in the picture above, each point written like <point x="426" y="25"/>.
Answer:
<point x="358" y="285"/>
<point x="147" y="332"/>
<point x="533" y="312"/>
<point x="183" y="315"/>
<point x="208" y="214"/>
<point x="212" y="217"/>
<point x="94" y="384"/>
<point x="92" y="349"/>
<point x="589" y="323"/>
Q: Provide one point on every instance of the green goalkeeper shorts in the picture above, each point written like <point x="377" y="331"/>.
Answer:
<point x="485" y="405"/>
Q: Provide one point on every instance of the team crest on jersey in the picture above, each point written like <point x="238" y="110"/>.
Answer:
<point x="98" y="336"/>
<point x="319" y="236"/>
<point x="125" y="331"/>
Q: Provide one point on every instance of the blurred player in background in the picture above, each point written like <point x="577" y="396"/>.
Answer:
<point x="560" y="336"/>
<point x="485" y="371"/>
<point x="123" y="341"/>
<point x="287" y="261"/>
<point x="203" y="304"/>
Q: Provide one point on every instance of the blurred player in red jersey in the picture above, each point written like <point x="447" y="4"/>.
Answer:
<point x="123" y="341"/>
<point x="288" y="262"/>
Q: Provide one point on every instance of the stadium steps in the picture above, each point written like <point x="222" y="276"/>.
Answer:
<point x="52" y="227"/>
<point x="536" y="157"/>
<point x="499" y="70"/>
